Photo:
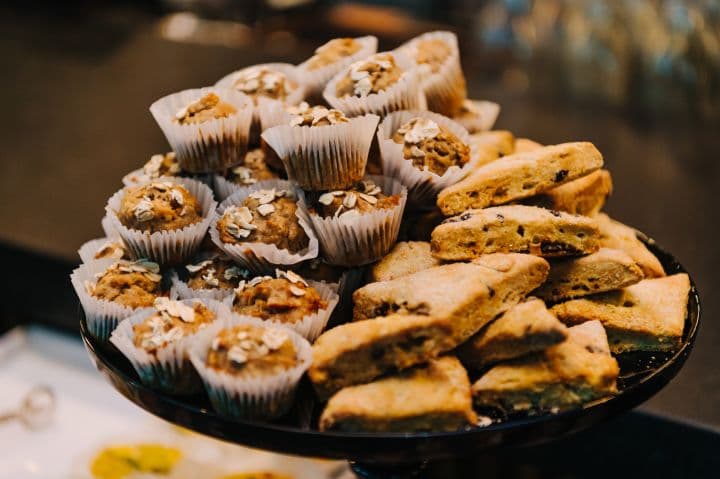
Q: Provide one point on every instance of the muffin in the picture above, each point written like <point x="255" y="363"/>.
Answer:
<point x="431" y="147"/>
<point x="104" y="248"/>
<point x="159" y="206"/>
<point x="477" y="116"/>
<point x="278" y="81"/>
<point x="172" y="320"/>
<point x="252" y="169"/>
<point x="215" y="277"/>
<point x="158" y="165"/>
<point x="207" y="128"/>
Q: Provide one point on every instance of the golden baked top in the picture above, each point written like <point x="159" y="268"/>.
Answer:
<point x="112" y="248"/>
<point x="432" y="52"/>
<point x="364" y="197"/>
<point x="431" y="147"/>
<point x="173" y="320"/>
<point x="134" y="284"/>
<point x="306" y="115"/>
<point x="254" y="168"/>
<point x="372" y="75"/>
<point x="263" y="81"/>
<point x="331" y="52"/>
<point x="159" y="206"/>
<point x="209" y="107"/>
<point x="215" y="272"/>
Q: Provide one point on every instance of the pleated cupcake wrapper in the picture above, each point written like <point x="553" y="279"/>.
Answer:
<point x="362" y="239"/>
<point x="212" y="145"/>
<point x="423" y="186"/>
<point x="224" y="188"/>
<point x="312" y="325"/>
<point x="485" y="120"/>
<point x="246" y="396"/>
<point x="170" y="369"/>
<point x="315" y="80"/>
<point x="90" y="248"/>
<point x="272" y="113"/>
<point x="137" y="177"/>
<point x="405" y="94"/>
<point x="108" y="227"/>
<point x="166" y="247"/>
<point x="445" y="89"/>
<point x="181" y="290"/>
<point x="102" y="316"/>
<point x="324" y="157"/>
<point x="261" y="257"/>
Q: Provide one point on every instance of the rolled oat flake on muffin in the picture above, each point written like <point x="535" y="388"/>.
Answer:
<point x="262" y="81"/>
<point x="431" y="147"/>
<point x="369" y="76"/>
<point x="209" y="107"/>
<point x="306" y="115"/>
<point x="158" y="206"/>
<point x="172" y="321"/>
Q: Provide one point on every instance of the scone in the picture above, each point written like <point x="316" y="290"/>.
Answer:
<point x="356" y="353"/>
<point x="584" y="196"/>
<point x="520" y="176"/>
<point x="567" y="375"/>
<point x="523" y="145"/>
<point x="614" y="234"/>
<point x="407" y="257"/>
<point x="469" y="295"/>
<point x="605" y="270"/>
<point x="514" y="228"/>
<point x="648" y="316"/>
<point x="492" y="145"/>
<point x="435" y="397"/>
<point x="524" y="329"/>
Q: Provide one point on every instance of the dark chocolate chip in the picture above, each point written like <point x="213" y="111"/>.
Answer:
<point x="560" y="175"/>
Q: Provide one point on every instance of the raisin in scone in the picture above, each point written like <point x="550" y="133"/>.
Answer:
<point x="520" y="176"/>
<point x="406" y="257"/>
<point x="514" y="228"/>
<point x="614" y="234"/>
<point x="584" y="196"/>
<point x="647" y="316"/>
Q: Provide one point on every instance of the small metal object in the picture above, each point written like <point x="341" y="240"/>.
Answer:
<point x="36" y="409"/>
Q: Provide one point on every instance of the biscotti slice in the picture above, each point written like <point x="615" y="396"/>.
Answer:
<point x="524" y="329"/>
<point x="356" y="353"/>
<point x="614" y="234"/>
<point x="406" y="257"/>
<point x="647" y="316"/>
<point x="584" y="196"/>
<point x="523" y="145"/>
<point x="514" y="228"/>
<point x="492" y="145"/>
<point x="605" y="270"/>
<point x="564" y="376"/>
<point x="520" y="176"/>
<point x="468" y="294"/>
<point x="434" y="397"/>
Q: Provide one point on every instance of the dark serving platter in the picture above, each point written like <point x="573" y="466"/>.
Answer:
<point x="388" y="455"/>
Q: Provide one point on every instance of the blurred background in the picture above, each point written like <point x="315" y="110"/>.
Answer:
<point x="639" y="78"/>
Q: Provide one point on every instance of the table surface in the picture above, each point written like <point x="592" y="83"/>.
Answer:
<point x="75" y="95"/>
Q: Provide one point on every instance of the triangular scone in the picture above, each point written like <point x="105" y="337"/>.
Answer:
<point x="523" y="145"/>
<point x="605" y="270"/>
<point x="584" y="196"/>
<point x="647" y="316"/>
<point x="468" y="294"/>
<point x="492" y="145"/>
<point x="406" y="257"/>
<point x="520" y="176"/>
<point x="514" y="228"/>
<point x="566" y="375"/>
<point x="356" y="353"/>
<point x="434" y="397"/>
<point x="614" y="234"/>
<point x="524" y="329"/>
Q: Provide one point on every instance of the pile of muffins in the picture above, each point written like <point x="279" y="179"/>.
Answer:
<point x="355" y="218"/>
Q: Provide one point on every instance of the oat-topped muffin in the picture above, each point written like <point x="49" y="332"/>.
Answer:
<point x="265" y="216"/>
<point x="333" y="51"/>
<point x="173" y="320"/>
<point x="430" y="146"/>
<point x="113" y="249"/>
<point x="263" y="81"/>
<point x="252" y="350"/>
<point x="159" y="206"/>
<point x="363" y="197"/>
<point x="288" y="298"/>
<point x="372" y="75"/>
<point x="135" y="284"/>
<point x="158" y="165"/>
<point x="209" y="107"/>
<point x="432" y="52"/>
<point x="306" y="115"/>
<point x="215" y="272"/>
<point x="254" y="168"/>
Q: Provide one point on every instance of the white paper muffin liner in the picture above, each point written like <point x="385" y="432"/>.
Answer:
<point x="324" y="157"/>
<point x="224" y="188"/>
<point x="445" y="89"/>
<point x="484" y="121"/>
<point x="212" y="145"/>
<point x="312" y="325"/>
<point x="315" y="80"/>
<point x="181" y="290"/>
<point x="101" y="316"/>
<point x="423" y="186"/>
<point x="249" y="396"/>
<point x="166" y="247"/>
<point x="170" y="369"/>
<point x="88" y="250"/>
<point x="405" y="94"/>
<point x="261" y="257"/>
<point x="362" y="239"/>
<point x="108" y="228"/>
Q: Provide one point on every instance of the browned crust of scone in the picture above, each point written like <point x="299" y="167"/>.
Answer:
<point x="614" y="234"/>
<point x="520" y="176"/>
<point x="492" y="145"/>
<point x="441" y="401"/>
<point x="514" y="228"/>
<point x="406" y="257"/>
<point x="523" y="145"/>
<point x="605" y="270"/>
<point x="356" y="353"/>
<point x="584" y="196"/>
<point x="647" y="316"/>
<point x="524" y="329"/>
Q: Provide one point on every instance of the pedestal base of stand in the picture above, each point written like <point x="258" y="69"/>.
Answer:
<point x="387" y="471"/>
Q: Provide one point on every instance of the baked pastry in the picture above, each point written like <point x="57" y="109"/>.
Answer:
<point x="584" y="196"/>
<point x="523" y="145"/>
<point x="135" y="284"/>
<point x="514" y="228"/>
<point x="616" y="235"/>
<point x="520" y="176"/>
<point x="605" y="270"/>
<point x="406" y="257"/>
<point x="277" y="81"/>
<point x="159" y="206"/>
<point x="523" y="329"/>
<point x="212" y="276"/>
<point x="470" y="295"/>
<point x="430" y="146"/>
<point x="435" y="397"/>
<point x="332" y="52"/>
<point x="564" y="376"/>
<point x="159" y="165"/>
<point x="647" y="316"/>
<point x="356" y="353"/>
<point x="171" y="321"/>
<point x="477" y="116"/>
<point x="253" y="169"/>
<point x="104" y="248"/>
<point x="208" y="107"/>
<point x="492" y="145"/>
